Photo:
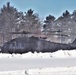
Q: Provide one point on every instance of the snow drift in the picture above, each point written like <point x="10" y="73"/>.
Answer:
<point x="57" y="54"/>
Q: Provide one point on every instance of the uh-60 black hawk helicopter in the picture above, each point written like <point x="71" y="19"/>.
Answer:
<point x="35" y="44"/>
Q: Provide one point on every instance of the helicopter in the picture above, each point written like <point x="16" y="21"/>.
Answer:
<point x="34" y="44"/>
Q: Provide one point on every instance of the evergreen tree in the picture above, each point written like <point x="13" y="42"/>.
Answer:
<point x="31" y="22"/>
<point x="8" y="23"/>
<point x="66" y="13"/>
<point x="48" y="23"/>
<point x="50" y="18"/>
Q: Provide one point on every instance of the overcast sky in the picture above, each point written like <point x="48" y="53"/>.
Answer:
<point x="43" y="7"/>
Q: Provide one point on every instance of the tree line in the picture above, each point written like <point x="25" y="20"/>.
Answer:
<point x="12" y="20"/>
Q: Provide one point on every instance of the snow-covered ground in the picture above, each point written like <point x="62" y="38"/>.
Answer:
<point x="57" y="54"/>
<point x="43" y="71"/>
<point x="57" y="63"/>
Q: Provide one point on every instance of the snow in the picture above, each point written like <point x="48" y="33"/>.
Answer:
<point x="43" y="71"/>
<point x="57" y="54"/>
<point x="56" y="63"/>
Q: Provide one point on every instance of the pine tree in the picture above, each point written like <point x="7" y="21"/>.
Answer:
<point x="48" y="23"/>
<point x="31" y="22"/>
<point x="66" y="13"/>
<point x="8" y="23"/>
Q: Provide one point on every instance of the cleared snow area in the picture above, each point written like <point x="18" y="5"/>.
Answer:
<point x="56" y="63"/>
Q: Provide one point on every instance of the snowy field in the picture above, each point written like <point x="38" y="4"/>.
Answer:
<point x="57" y="54"/>
<point x="44" y="71"/>
<point x="57" y="63"/>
